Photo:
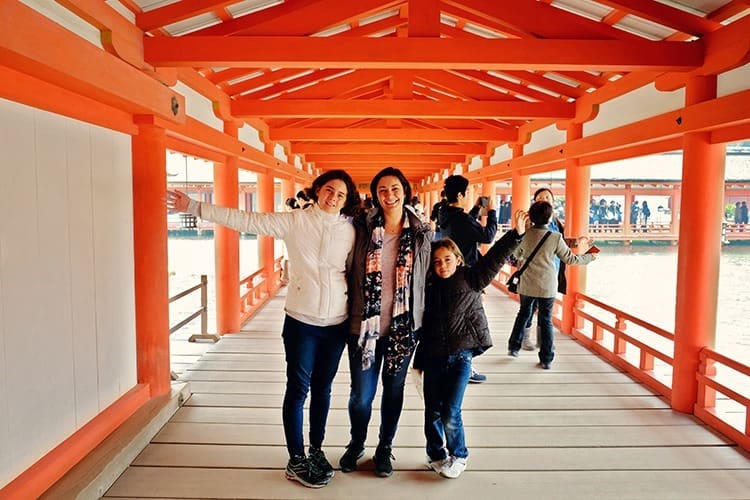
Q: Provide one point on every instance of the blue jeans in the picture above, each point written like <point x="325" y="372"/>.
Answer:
<point x="364" y="385"/>
<point x="544" y="320"/>
<point x="312" y="359"/>
<point x="445" y="381"/>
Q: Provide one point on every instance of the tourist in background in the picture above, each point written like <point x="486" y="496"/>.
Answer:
<point x="319" y="240"/>
<point x="389" y="264"/>
<point x="455" y="331"/>
<point x="555" y="225"/>
<point x="538" y="284"/>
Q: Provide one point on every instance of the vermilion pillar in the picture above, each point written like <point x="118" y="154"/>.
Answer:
<point x="150" y="242"/>
<point x="699" y="250"/>
<point x="577" y="196"/>
<point x="265" y="204"/>
<point x="520" y="186"/>
<point x="287" y="189"/>
<point x="227" y="244"/>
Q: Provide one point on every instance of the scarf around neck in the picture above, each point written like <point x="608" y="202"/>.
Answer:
<point x="400" y="341"/>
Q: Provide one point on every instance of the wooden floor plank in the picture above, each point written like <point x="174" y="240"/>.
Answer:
<point x="582" y="430"/>
<point x="481" y="459"/>
<point x="148" y="482"/>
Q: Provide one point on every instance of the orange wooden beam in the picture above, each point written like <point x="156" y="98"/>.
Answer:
<point x="423" y="53"/>
<point x="391" y="135"/>
<point x="512" y="87"/>
<point x="725" y="49"/>
<point x="179" y="11"/>
<point x="424" y="18"/>
<point x="290" y="85"/>
<point x="20" y="87"/>
<point x="397" y="108"/>
<point x="33" y="44"/>
<point x="539" y="19"/>
<point x="301" y="17"/>
<point x="51" y="467"/>
<point x="383" y="158"/>
<point x="668" y="16"/>
<point x="391" y="149"/>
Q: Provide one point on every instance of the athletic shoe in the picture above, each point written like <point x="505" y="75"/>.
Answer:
<point x="299" y="469"/>
<point x="437" y="465"/>
<point x="476" y="377"/>
<point x="545" y="366"/>
<point x="453" y="468"/>
<point x="513" y="353"/>
<point x="348" y="461"/>
<point x="318" y="459"/>
<point x="382" y="459"/>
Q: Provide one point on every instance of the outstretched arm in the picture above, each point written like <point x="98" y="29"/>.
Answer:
<point x="482" y="274"/>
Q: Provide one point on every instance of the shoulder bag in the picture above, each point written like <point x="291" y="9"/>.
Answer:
<point x="515" y="278"/>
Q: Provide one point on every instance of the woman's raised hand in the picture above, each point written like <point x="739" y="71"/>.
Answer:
<point x="520" y="220"/>
<point x="177" y="201"/>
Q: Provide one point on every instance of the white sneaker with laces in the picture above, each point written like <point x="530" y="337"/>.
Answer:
<point x="453" y="467"/>
<point x="437" y="465"/>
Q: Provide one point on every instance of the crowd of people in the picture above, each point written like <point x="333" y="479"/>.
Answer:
<point x="373" y="280"/>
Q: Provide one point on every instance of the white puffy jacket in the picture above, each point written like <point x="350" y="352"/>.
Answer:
<point x="317" y="243"/>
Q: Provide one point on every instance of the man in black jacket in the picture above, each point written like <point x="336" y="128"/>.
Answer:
<point x="464" y="229"/>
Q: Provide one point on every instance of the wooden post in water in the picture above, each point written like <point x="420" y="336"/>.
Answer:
<point x="699" y="251"/>
<point x="227" y="244"/>
<point x="150" y="252"/>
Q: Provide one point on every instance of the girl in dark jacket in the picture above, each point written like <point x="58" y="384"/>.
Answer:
<point x="455" y="330"/>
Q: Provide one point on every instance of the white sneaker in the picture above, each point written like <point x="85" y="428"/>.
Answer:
<point x="437" y="465"/>
<point x="453" y="467"/>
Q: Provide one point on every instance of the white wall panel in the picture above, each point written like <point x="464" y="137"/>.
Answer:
<point x="635" y="106"/>
<point x="734" y="81"/>
<point x="113" y="263"/>
<point x="199" y="107"/>
<point x="83" y="292"/>
<point x="547" y="137"/>
<point x="67" y="327"/>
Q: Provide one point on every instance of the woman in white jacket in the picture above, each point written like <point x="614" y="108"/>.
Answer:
<point x="318" y="241"/>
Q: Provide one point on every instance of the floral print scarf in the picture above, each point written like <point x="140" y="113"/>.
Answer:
<point x="401" y="339"/>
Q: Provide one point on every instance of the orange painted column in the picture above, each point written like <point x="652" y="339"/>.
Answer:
<point x="675" y="209"/>
<point x="699" y="250"/>
<point x="627" y="210"/>
<point x="520" y="186"/>
<point x="227" y="244"/>
<point x="287" y="190"/>
<point x="150" y="252"/>
<point x="265" y="204"/>
<point x="577" y="199"/>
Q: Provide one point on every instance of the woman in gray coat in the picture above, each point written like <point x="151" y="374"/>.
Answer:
<point x="538" y="285"/>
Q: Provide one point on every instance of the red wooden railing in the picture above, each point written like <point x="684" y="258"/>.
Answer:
<point x="645" y="352"/>
<point x="257" y="288"/>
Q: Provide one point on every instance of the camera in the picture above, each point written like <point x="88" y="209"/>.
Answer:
<point x="484" y="201"/>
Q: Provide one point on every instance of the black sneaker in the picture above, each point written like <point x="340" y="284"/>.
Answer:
<point x="318" y="460"/>
<point x="298" y="469"/>
<point x="348" y="461"/>
<point x="476" y="377"/>
<point x="382" y="459"/>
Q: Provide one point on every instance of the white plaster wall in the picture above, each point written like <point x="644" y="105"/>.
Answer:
<point x="734" y="81"/>
<point x="637" y="105"/>
<point x="67" y="312"/>
<point x="545" y="138"/>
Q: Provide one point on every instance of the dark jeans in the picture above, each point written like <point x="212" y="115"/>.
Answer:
<point x="445" y="381"/>
<point x="364" y="385"/>
<point x="544" y="320"/>
<point x="312" y="359"/>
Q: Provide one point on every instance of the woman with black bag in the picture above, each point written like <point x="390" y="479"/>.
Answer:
<point x="538" y="282"/>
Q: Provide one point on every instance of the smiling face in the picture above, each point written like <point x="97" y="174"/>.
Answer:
<point x="332" y="196"/>
<point x="445" y="262"/>
<point x="390" y="194"/>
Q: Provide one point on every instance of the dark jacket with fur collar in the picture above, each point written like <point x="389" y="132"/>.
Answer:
<point x="363" y="226"/>
<point x="454" y="317"/>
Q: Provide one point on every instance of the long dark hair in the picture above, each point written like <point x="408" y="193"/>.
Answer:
<point x="352" y="195"/>
<point x="389" y="172"/>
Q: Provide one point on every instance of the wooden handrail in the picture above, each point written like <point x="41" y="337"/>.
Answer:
<point x="202" y="312"/>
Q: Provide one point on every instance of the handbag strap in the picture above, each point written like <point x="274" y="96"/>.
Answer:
<point x="533" y="253"/>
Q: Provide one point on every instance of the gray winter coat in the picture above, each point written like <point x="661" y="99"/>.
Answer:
<point x="540" y="277"/>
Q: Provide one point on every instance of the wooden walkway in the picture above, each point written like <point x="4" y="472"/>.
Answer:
<point x="581" y="430"/>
